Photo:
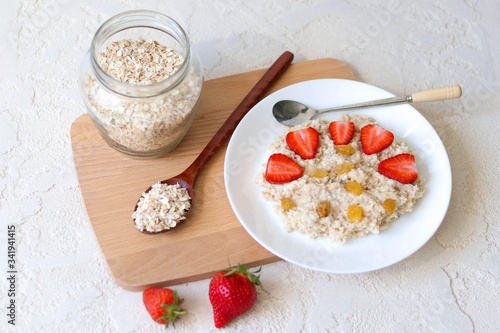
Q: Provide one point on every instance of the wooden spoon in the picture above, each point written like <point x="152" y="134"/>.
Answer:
<point x="188" y="177"/>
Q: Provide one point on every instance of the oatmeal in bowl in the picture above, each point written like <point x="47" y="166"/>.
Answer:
<point x="342" y="179"/>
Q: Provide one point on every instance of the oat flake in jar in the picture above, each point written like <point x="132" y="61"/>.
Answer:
<point x="141" y="83"/>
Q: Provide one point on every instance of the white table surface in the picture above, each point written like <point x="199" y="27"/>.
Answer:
<point x="63" y="285"/>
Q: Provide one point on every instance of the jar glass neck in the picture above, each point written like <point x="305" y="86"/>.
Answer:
<point x="140" y="19"/>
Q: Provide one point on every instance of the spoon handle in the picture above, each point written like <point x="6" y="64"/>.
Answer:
<point x="255" y="94"/>
<point x="379" y="102"/>
<point x="437" y="94"/>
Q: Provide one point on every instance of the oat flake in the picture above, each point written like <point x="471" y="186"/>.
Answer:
<point x="139" y="62"/>
<point x="162" y="207"/>
<point x="143" y="124"/>
<point x="308" y="192"/>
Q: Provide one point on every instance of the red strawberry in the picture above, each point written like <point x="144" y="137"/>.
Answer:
<point x="304" y="142"/>
<point x="162" y="304"/>
<point x="282" y="169"/>
<point x="232" y="293"/>
<point x="401" y="167"/>
<point x="341" y="131"/>
<point x="374" y="138"/>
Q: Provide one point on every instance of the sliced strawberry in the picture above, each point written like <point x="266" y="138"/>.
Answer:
<point x="375" y="138"/>
<point x="401" y="167"/>
<point x="282" y="169"/>
<point x="341" y="131"/>
<point x="304" y="142"/>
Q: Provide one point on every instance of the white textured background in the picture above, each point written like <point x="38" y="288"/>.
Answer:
<point x="450" y="285"/>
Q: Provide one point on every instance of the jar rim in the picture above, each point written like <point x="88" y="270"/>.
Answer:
<point x="140" y="19"/>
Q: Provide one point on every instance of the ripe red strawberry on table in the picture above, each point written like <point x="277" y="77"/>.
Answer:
<point x="401" y="167"/>
<point x="282" y="169"/>
<point x="163" y="304"/>
<point x="232" y="293"/>
<point x="304" y="142"/>
<point x="375" y="138"/>
<point x="341" y="131"/>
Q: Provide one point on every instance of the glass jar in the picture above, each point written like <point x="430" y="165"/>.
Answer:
<point x="141" y="115"/>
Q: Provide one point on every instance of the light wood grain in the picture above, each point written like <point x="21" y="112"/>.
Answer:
<point x="438" y="94"/>
<point x="112" y="183"/>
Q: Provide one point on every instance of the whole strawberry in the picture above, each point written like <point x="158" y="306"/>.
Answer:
<point x="232" y="293"/>
<point x="162" y="304"/>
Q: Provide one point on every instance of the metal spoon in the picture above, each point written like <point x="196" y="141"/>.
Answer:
<point x="291" y="113"/>
<point x="187" y="178"/>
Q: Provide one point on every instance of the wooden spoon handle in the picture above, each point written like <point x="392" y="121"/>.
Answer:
<point x="255" y="94"/>
<point x="437" y="94"/>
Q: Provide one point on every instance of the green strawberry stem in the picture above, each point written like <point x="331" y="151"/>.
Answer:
<point x="172" y="310"/>
<point x="242" y="270"/>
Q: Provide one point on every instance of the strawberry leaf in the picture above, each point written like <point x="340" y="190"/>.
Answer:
<point x="172" y="310"/>
<point x="243" y="271"/>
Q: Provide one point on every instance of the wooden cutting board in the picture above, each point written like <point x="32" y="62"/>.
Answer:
<point x="212" y="237"/>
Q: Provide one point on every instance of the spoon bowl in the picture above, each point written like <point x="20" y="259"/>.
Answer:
<point x="184" y="182"/>
<point x="187" y="178"/>
<point x="292" y="113"/>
